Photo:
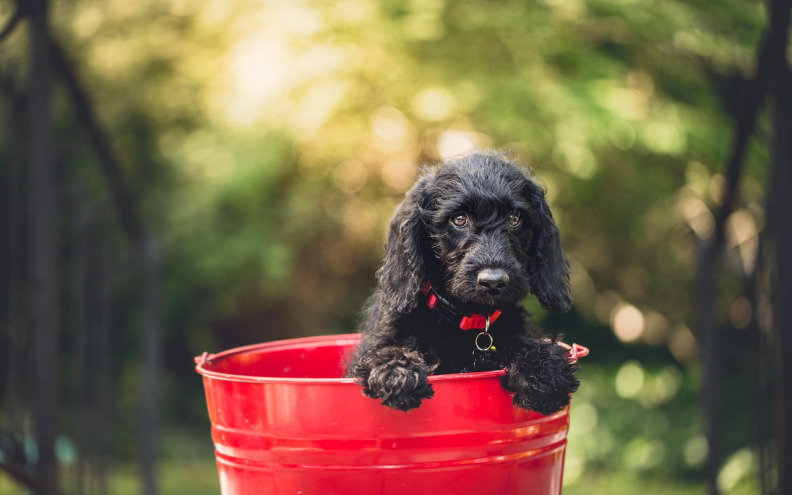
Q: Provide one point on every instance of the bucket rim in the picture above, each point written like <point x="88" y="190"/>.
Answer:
<point x="206" y="359"/>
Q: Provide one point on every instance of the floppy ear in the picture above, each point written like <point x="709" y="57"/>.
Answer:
<point x="549" y="268"/>
<point x="403" y="270"/>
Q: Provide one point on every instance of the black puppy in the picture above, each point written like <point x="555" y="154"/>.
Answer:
<point x="472" y="239"/>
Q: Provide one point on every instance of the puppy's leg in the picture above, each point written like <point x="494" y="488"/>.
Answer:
<point x="395" y="374"/>
<point x="539" y="374"/>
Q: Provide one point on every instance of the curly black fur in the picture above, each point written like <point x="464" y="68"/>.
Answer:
<point x="475" y="213"/>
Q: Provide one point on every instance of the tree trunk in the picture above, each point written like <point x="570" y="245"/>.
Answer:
<point x="708" y="260"/>
<point x="16" y="387"/>
<point x="782" y="287"/>
<point x="104" y="392"/>
<point x="80" y="305"/>
<point x="43" y="250"/>
<point x="780" y="215"/>
<point x="150" y="260"/>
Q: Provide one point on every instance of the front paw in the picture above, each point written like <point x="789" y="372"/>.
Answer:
<point x="541" y="400"/>
<point x="399" y="378"/>
<point x="543" y="385"/>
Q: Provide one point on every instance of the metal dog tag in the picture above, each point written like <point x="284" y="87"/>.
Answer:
<point x="484" y="360"/>
<point x="484" y="354"/>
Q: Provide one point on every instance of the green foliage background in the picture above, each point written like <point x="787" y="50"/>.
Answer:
<point x="268" y="142"/>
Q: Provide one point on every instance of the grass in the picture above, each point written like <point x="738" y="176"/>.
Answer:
<point x="176" y="478"/>
<point x="187" y="467"/>
<point x="199" y="477"/>
<point x="613" y="484"/>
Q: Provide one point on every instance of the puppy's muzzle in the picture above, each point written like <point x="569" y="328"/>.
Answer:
<point x="494" y="280"/>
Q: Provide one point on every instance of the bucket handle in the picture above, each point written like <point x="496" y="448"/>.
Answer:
<point x="204" y="358"/>
<point x="574" y="351"/>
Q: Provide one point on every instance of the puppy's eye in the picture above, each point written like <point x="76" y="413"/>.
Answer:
<point x="515" y="219"/>
<point x="459" y="220"/>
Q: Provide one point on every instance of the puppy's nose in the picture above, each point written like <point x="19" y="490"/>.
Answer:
<point x="493" y="279"/>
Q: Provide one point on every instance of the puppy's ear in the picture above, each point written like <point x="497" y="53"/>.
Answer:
<point x="403" y="270"/>
<point x="549" y="268"/>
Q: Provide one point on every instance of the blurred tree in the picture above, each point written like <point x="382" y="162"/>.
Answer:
<point x="43" y="243"/>
<point x="268" y="143"/>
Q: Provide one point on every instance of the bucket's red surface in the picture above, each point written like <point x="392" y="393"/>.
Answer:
<point x="285" y="422"/>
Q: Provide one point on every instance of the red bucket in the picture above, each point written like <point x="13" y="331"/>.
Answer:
<point x="285" y="422"/>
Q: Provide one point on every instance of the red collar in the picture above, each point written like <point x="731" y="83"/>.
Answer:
<point x="474" y="321"/>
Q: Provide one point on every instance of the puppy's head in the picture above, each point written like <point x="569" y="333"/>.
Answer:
<point x="480" y="228"/>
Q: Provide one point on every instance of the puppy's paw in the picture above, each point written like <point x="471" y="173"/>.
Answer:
<point x="543" y="381"/>
<point x="540" y="400"/>
<point x="399" y="378"/>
